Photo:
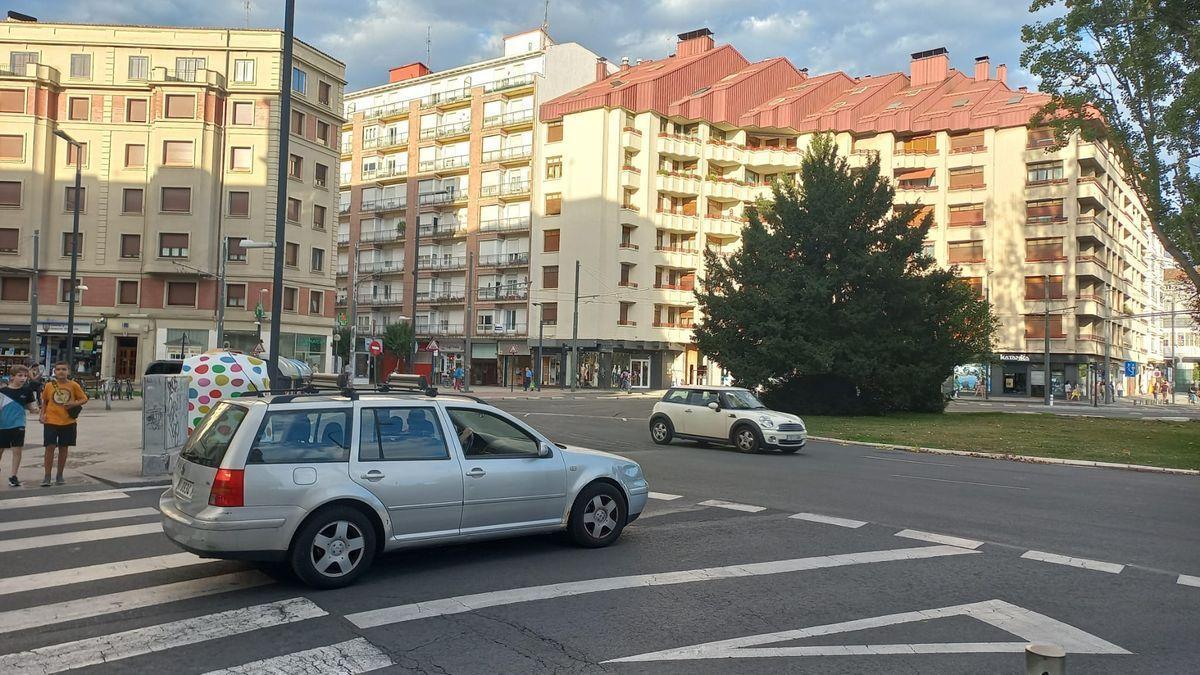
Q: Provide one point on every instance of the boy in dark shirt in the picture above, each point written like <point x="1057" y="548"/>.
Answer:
<point x="15" y="399"/>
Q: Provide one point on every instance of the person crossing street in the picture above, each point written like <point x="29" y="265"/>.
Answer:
<point x="62" y="401"/>
<point x="15" y="399"/>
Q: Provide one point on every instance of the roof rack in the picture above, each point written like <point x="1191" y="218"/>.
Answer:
<point x="384" y="388"/>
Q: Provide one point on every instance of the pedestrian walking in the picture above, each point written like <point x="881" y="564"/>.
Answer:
<point x="625" y="380"/>
<point x="15" y="399"/>
<point x="528" y="378"/>
<point x="62" y="401"/>
<point x="343" y="379"/>
<point x="458" y="377"/>
<point x="1192" y="393"/>
<point x="36" y="381"/>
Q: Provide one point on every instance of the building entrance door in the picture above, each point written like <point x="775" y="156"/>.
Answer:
<point x="126" y="364"/>
<point x="639" y="373"/>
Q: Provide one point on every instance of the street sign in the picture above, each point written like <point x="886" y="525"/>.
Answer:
<point x="1131" y="369"/>
<point x="512" y="350"/>
<point x="432" y="346"/>
<point x="258" y="349"/>
<point x="259" y="313"/>
<point x="342" y="320"/>
<point x="375" y="346"/>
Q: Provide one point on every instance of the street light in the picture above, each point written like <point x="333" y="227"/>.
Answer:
<point x="72" y="143"/>
<point x="541" y="331"/>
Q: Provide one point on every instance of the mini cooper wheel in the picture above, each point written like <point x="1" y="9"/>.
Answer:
<point x="598" y="516"/>
<point x="334" y="548"/>
<point x="661" y="430"/>
<point x="747" y="439"/>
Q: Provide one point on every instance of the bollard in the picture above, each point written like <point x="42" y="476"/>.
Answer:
<point x="1044" y="659"/>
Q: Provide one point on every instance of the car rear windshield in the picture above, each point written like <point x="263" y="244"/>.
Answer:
<point x="211" y="438"/>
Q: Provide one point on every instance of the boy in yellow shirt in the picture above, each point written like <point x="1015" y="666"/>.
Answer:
<point x="62" y="400"/>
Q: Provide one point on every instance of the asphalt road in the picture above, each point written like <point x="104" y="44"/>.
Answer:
<point x="694" y="586"/>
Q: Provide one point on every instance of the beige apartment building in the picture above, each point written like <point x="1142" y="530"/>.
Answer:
<point x="646" y="167"/>
<point x="435" y="217"/>
<point x="179" y="128"/>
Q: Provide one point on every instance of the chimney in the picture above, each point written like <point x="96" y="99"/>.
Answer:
<point x="694" y="42"/>
<point x="929" y="67"/>
<point x="982" y="68"/>
<point x="1002" y="73"/>
<point x="1023" y="90"/>
<point x="601" y="68"/>
<point x="624" y="63"/>
<point x="407" y="72"/>
<point x="17" y="16"/>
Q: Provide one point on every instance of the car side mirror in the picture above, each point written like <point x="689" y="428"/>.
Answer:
<point x="714" y="406"/>
<point x="544" y="450"/>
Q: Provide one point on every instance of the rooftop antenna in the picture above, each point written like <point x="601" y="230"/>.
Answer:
<point x="247" y="6"/>
<point x="546" y="16"/>
<point x="428" y="42"/>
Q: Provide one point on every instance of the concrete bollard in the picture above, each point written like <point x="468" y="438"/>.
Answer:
<point x="1044" y="659"/>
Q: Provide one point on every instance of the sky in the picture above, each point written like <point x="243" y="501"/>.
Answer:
<point x="858" y="36"/>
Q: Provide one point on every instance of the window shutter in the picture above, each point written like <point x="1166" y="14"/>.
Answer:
<point x="10" y="238"/>
<point x="127" y="292"/>
<point x="78" y="108"/>
<point x="177" y="153"/>
<point x="137" y="110"/>
<point x="181" y="293"/>
<point x="10" y="193"/>
<point x="181" y="107"/>
<point x="135" y="155"/>
<point x="968" y="214"/>
<point x="131" y="246"/>
<point x="550" y="244"/>
<point x="12" y="147"/>
<point x="12" y="100"/>
<point x="243" y="112"/>
<point x="239" y="203"/>
<point x="132" y="200"/>
<point x="176" y="199"/>
<point x="554" y="132"/>
<point x="14" y="289"/>
<point x="967" y="142"/>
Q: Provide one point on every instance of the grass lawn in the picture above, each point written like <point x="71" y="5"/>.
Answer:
<point x="1168" y="444"/>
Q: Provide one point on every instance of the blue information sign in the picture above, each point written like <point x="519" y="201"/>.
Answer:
<point x="1131" y="369"/>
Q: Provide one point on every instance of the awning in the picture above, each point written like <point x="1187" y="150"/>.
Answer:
<point x="914" y="174"/>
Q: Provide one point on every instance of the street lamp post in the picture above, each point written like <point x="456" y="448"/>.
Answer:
<point x="34" y="342"/>
<point x="285" y="114"/>
<point x="541" y="333"/>
<point x="221" y="292"/>
<point x="72" y="143"/>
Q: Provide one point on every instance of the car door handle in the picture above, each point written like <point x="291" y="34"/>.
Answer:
<point x="688" y="412"/>
<point x="476" y="473"/>
<point x="373" y="476"/>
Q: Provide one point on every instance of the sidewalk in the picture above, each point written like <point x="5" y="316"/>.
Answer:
<point x="109" y="450"/>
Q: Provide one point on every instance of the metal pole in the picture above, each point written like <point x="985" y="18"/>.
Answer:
<point x="412" y="354"/>
<point x="1171" y="370"/>
<point x="987" y="365"/>
<point x="221" y="292"/>
<point x="285" y="115"/>
<point x="1107" y="356"/>
<point x="352" y="291"/>
<point x="74" y="261"/>
<point x="468" y="325"/>
<point x="541" y="334"/>
<point x="573" y="373"/>
<point x="1046" y="338"/>
<point x="34" y="342"/>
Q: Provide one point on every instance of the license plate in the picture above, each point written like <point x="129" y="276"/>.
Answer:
<point x="184" y="488"/>
<point x="795" y="437"/>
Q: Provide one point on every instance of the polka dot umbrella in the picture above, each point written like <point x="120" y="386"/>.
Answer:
<point x="219" y="375"/>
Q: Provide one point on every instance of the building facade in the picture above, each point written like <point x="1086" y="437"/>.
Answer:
<point x="434" y="214"/>
<point x="646" y="167"/>
<point x="179" y="128"/>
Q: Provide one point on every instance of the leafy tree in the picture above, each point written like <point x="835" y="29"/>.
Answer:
<point x="398" y="339"/>
<point x="1133" y="64"/>
<point x="830" y="304"/>
<point x="341" y="346"/>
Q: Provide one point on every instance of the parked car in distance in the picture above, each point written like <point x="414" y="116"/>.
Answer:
<point x="165" y="367"/>
<point x="726" y="415"/>
<point x="327" y="482"/>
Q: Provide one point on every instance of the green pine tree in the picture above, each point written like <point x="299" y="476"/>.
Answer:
<point x="830" y="304"/>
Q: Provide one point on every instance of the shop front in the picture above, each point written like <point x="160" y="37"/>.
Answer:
<point x="600" y="364"/>
<point x="484" y="369"/>
<point x="1017" y="374"/>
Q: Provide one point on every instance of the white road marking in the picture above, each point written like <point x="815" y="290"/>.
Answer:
<point x="66" y="498"/>
<point x="76" y="519"/>
<point x="940" y="538"/>
<point x="344" y="658"/>
<point x="960" y="482"/>
<point x="663" y="496"/>
<point x="126" y="644"/>
<point x="906" y="461"/>
<point x="828" y="520"/>
<point x="1027" y="625"/>
<point x="733" y="506"/>
<point x="1098" y="565"/>
<point x="40" y="580"/>
<point x="1188" y="580"/>
<point x="467" y="603"/>
<point x="84" y="608"/>
<point x="595" y="417"/>
<point x="28" y="543"/>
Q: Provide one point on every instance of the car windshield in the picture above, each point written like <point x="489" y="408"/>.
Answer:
<point x="741" y="399"/>
<point x="211" y="438"/>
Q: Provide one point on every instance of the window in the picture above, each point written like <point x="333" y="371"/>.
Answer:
<point x="181" y="294"/>
<point x="14" y="289"/>
<point x="626" y="275"/>
<point x="316" y="302"/>
<point x="919" y="216"/>
<point x="1044" y="249"/>
<point x="623" y="317"/>
<point x="10" y="193"/>
<point x="553" y="168"/>
<point x="64" y="291"/>
<point x="135" y="110"/>
<point x="12" y="100"/>
<point x="550" y="313"/>
<point x="18" y="60"/>
<point x="677" y="396"/>
<point x="550" y="241"/>
<point x="924" y="145"/>
<point x="323" y="133"/>
<point x="554" y="132"/>
<point x="239" y="204"/>
<point x="186" y="68"/>
<point x="299" y="81"/>
<point x="1035" y="326"/>
<point x="1044" y="211"/>
<point x="553" y="203"/>
<point x="1035" y="288"/>
<point x="176" y="199"/>
<point x="127" y="292"/>
<point x="243" y="70"/>
<point x="81" y="66"/>
<point x="289" y="299"/>
<point x="131" y="246"/>
<point x="139" y="67"/>
<point x="965" y="251"/>
<point x="243" y="113"/>
<point x="318" y="259"/>
<point x="401" y="434"/>
<point x="320" y="175"/>
<point x="302" y="436"/>
<point x="975" y="284"/>
<point x="208" y="443"/>
<point x="293" y="210"/>
<point x="177" y="153"/>
<point x="291" y="254"/>
<point x="972" y="142"/>
<point x="965" y="215"/>
<point x="131" y="200"/>
<point x="295" y="166"/>
<point x="550" y="276"/>
<point x="12" y="147"/>
<point x="77" y="154"/>
<point x="485" y="435"/>
<point x="69" y="198"/>
<point x="172" y="245"/>
<point x="1045" y="172"/>
<point x="297" y="123"/>
<point x="235" y="295"/>
<point x="1040" y="138"/>
<point x="966" y="178"/>
<point x="10" y="238"/>
<point x="234" y="251"/>
<point x="318" y="217"/>
<point x="180" y="106"/>
<point x="135" y="156"/>
<point x="323" y="90"/>
<point x="241" y="159"/>
<point x="78" y="108"/>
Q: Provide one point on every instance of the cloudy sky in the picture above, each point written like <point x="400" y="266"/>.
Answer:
<point x="858" y="36"/>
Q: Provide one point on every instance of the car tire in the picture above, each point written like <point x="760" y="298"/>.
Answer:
<point x="661" y="430"/>
<point x="585" y="528"/>
<point x="333" y="548"/>
<point x="747" y="439"/>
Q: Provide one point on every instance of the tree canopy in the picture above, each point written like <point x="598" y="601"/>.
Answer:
<point x="831" y="305"/>
<point x="398" y="338"/>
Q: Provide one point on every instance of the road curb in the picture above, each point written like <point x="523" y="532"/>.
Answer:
<point x="1015" y="458"/>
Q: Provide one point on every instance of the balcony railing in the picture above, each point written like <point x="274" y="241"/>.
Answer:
<point x="453" y="129"/>
<point x="435" y="198"/>
<point x="386" y="110"/>
<point x="503" y="293"/>
<point x="441" y="262"/>
<point x="508" y="119"/>
<point x="510" y="224"/>
<point x="444" y="97"/>
<point x="456" y="162"/>
<point x="386" y="171"/>
<point x="373" y="236"/>
<point x="674" y="287"/>
<point x="501" y="329"/>
<point x="201" y="75"/>
<point x="388" y="204"/>
<point x="343" y="238"/>
<point x="343" y="269"/>
<point x="444" y="229"/>
<point x="509" y="83"/>
<point x="385" y="141"/>
<point x="505" y="189"/>
<point x="504" y="259"/>
<point x="439" y="329"/>
<point x="1091" y="259"/>
<point x="380" y="300"/>
<point x="508" y="154"/>
<point x="454" y="295"/>
<point x="689" y="250"/>
<point x="380" y="266"/>
<point x="677" y="323"/>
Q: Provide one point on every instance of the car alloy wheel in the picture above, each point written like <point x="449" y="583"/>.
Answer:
<point x="746" y="440"/>
<point x="659" y="431"/>
<point x="337" y="549"/>
<point x="600" y="516"/>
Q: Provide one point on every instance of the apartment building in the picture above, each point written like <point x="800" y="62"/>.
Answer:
<point x="434" y="212"/>
<point x="179" y="133"/>
<point x="648" y="166"/>
<point x="1179" y="332"/>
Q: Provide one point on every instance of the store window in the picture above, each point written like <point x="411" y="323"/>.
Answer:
<point x="185" y="342"/>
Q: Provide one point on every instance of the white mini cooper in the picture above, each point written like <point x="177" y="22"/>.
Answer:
<point x="727" y="415"/>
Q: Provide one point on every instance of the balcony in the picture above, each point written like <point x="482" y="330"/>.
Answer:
<point x="678" y="182"/>
<point x="443" y="230"/>
<point x="498" y="330"/>
<point x="343" y="239"/>
<point x="509" y="190"/>
<point x="509" y="84"/>
<point x="675" y="323"/>
<point x="727" y="187"/>
<point x="1090" y="304"/>
<point x="631" y="139"/>
<point x="385" y="172"/>
<point x="384" y="205"/>
<point x="453" y="296"/>
<point x="506" y="293"/>
<point x="381" y="235"/>
<point x="679" y="145"/>
<point x="343" y="269"/>
<point x="504" y="259"/>
<point x="387" y="110"/>
<point x="509" y="224"/>
<point x="726" y="223"/>
<point x="516" y="118"/>
<point x="381" y="266"/>
<point x="343" y="209"/>
<point x="773" y="158"/>
<point x="453" y="98"/>
<point x="516" y="154"/>
<point x="1092" y="266"/>
<point x="441" y="262"/>
<point x="676" y="219"/>
<point x="385" y="142"/>
<point x="435" y="198"/>
<point x="201" y="76"/>
<point x="440" y="329"/>
<point x="723" y="151"/>
<point x="453" y="130"/>
<point x="380" y="300"/>
<point x="451" y="164"/>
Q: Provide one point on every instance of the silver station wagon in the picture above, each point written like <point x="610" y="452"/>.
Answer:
<point x="327" y="482"/>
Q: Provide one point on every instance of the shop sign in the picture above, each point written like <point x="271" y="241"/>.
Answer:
<point x="1015" y="357"/>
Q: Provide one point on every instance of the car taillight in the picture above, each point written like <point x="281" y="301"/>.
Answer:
<point x="228" y="488"/>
